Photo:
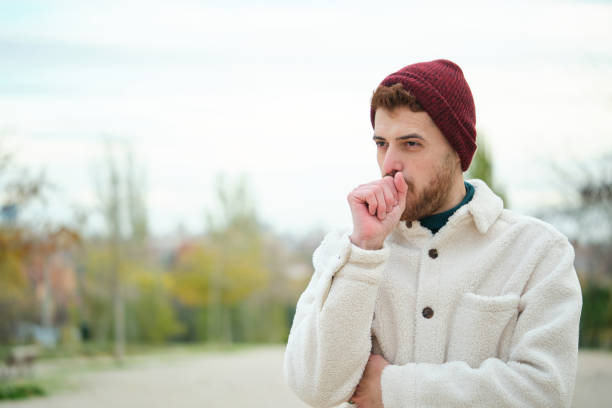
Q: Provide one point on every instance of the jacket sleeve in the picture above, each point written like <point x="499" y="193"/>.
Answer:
<point x="541" y="367"/>
<point x="330" y="340"/>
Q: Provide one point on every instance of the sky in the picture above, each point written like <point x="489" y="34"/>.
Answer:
<point x="279" y="91"/>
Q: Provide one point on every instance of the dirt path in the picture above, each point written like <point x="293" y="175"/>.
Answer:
<point x="594" y="380"/>
<point x="251" y="377"/>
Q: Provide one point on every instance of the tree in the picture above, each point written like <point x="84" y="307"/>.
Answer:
<point x="26" y="249"/>
<point x="586" y="191"/>
<point x="236" y="238"/>
<point x="217" y="274"/>
<point x="153" y="317"/>
<point x="482" y="168"/>
<point x="121" y="198"/>
<point x="110" y="202"/>
<point x="587" y="205"/>
<point x="590" y="203"/>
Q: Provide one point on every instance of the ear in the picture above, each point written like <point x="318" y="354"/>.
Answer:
<point x="457" y="159"/>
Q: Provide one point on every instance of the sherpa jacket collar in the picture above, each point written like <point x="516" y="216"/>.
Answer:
<point x="483" y="209"/>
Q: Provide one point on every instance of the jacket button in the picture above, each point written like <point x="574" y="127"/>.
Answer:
<point x="409" y="224"/>
<point x="428" y="312"/>
<point x="433" y="253"/>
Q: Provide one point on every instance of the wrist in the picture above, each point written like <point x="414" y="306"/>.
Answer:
<point x="368" y="245"/>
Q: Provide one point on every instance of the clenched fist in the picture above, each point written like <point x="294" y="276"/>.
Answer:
<point x="376" y="208"/>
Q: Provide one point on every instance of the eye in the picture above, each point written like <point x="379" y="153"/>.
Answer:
<point x="381" y="144"/>
<point x="412" y="143"/>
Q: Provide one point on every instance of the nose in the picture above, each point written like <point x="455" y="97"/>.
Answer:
<point x="391" y="163"/>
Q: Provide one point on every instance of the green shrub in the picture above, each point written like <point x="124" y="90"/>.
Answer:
<point x="20" y="391"/>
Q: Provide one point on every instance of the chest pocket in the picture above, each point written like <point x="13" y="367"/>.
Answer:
<point x="481" y="328"/>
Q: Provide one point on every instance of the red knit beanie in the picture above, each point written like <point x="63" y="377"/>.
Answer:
<point x="441" y="89"/>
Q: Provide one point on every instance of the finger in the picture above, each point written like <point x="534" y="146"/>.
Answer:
<point x="363" y="197"/>
<point x="390" y="193"/>
<point x="390" y="181"/>
<point x="370" y="199"/>
<point x="382" y="205"/>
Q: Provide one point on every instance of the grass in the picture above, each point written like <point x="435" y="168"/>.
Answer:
<point x="20" y="390"/>
<point x="134" y="349"/>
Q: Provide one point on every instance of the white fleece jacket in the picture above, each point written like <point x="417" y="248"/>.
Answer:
<point x="506" y="305"/>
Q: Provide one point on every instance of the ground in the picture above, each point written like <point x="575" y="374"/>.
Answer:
<point x="245" y="377"/>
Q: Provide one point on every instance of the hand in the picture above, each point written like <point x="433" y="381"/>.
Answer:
<point x="376" y="208"/>
<point x="369" y="389"/>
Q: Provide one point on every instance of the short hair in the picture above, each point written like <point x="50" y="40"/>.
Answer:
<point x="394" y="96"/>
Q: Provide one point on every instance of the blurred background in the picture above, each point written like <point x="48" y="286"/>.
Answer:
<point x="167" y="169"/>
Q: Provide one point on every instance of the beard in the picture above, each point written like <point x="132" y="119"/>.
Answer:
<point x="422" y="204"/>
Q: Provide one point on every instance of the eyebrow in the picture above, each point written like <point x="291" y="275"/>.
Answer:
<point x="405" y="137"/>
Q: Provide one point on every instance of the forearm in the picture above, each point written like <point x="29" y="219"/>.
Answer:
<point x="494" y="384"/>
<point x="330" y="341"/>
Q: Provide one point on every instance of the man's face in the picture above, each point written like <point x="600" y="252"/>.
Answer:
<point x="411" y="143"/>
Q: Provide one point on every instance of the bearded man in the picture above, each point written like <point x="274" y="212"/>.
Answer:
<point x="438" y="296"/>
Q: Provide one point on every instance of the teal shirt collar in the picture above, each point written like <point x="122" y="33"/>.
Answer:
<point x="435" y="222"/>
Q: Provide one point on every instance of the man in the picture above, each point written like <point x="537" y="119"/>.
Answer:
<point x="438" y="297"/>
